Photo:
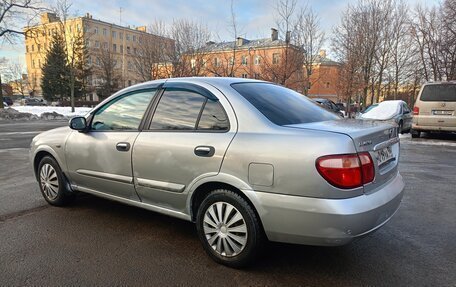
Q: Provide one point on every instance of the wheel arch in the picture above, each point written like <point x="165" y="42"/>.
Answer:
<point x="202" y="190"/>
<point x="42" y="152"/>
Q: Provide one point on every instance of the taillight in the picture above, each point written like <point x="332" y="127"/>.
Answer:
<point x="347" y="171"/>
<point x="416" y="110"/>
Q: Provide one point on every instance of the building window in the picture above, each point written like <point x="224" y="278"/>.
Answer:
<point x="127" y="37"/>
<point x="88" y="43"/>
<point x="26" y="49"/>
<point x="134" y="38"/>
<point x="98" y="62"/>
<point x="244" y="76"/>
<point x="120" y="35"/>
<point x="193" y="63"/>
<point x="89" y="60"/>
<point x="244" y="60"/>
<point x="216" y="62"/>
<point x="33" y="48"/>
<point x="39" y="63"/>
<point x="129" y="82"/>
<point x="105" y="32"/>
<point x="129" y="66"/>
<point x="78" y="27"/>
<point x="257" y="60"/>
<point x="33" y="64"/>
<point x="275" y="58"/>
<point x="114" y="48"/>
<point x="231" y="61"/>
<point x="327" y="85"/>
<point x="105" y="45"/>
<point x="95" y="30"/>
<point x="135" y="51"/>
<point x="97" y="44"/>
<point x="128" y="50"/>
<point x="121" y="48"/>
<point x="114" y="34"/>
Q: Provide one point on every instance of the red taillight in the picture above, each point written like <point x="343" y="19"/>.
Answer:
<point x="348" y="170"/>
<point x="416" y="111"/>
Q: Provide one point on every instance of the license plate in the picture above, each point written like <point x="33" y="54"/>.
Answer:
<point x="384" y="155"/>
<point x="442" y="113"/>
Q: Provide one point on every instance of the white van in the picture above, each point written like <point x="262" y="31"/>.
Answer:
<point x="435" y="109"/>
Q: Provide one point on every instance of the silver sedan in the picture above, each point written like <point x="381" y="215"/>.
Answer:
<point x="246" y="160"/>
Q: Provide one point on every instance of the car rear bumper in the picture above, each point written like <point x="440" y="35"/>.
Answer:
<point x="328" y="222"/>
<point x="433" y="128"/>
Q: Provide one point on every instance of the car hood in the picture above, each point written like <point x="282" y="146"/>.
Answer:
<point x="52" y="137"/>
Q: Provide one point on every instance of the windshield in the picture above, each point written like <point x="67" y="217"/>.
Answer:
<point x="439" y="93"/>
<point x="383" y="111"/>
<point x="283" y="106"/>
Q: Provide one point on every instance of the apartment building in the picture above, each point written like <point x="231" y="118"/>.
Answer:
<point x="121" y="42"/>
<point x="271" y="59"/>
<point x="324" y="78"/>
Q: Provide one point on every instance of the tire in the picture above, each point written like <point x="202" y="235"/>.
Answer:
<point x="236" y="248"/>
<point x="415" y="134"/>
<point x="52" y="183"/>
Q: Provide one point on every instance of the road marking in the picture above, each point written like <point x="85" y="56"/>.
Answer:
<point x="20" y="133"/>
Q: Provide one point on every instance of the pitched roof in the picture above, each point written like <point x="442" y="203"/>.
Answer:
<point x="247" y="44"/>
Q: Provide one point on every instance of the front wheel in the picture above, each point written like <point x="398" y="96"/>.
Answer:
<point x="228" y="228"/>
<point x="52" y="183"/>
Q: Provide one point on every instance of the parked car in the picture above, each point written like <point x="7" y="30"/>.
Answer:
<point x="393" y="111"/>
<point x="435" y="109"/>
<point x="8" y="101"/>
<point x="330" y="105"/>
<point x="245" y="160"/>
<point x="34" y="102"/>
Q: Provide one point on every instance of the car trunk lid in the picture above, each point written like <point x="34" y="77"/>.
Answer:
<point x="380" y="139"/>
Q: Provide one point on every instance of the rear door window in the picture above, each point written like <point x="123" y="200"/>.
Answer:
<point x="283" y="106"/>
<point x="439" y="93"/>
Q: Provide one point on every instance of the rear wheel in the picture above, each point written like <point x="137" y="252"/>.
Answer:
<point x="228" y="228"/>
<point x="415" y="133"/>
<point x="52" y="183"/>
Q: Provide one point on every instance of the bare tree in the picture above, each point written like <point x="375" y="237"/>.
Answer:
<point x="152" y="52"/>
<point x="310" y="38"/>
<point x="14" y="13"/>
<point x="188" y="54"/>
<point x="15" y="73"/>
<point x="110" y="74"/>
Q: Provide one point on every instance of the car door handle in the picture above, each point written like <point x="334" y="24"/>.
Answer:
<point x="122" y="146"/>
<point x="204" y="151"/>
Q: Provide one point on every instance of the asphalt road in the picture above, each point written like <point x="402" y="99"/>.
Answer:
<point x="99" y="242"/>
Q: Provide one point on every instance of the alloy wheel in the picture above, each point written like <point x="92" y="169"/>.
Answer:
<point x="49" y="181"/>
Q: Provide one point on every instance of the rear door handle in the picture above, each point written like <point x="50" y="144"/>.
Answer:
<point x="123" y="146"/>
<point x="204" y="151"/>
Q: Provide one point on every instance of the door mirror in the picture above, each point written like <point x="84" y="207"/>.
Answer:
<point x="78" y="123"/>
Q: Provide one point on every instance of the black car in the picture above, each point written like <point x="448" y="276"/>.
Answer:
<point x="8" y="101"/>
<point x="330" y="105"/>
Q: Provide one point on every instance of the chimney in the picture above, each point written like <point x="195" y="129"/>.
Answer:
<point x="288" y="37"/>
<point x="239" y="41"/>
<point x="274" y="34"/>
<point x="322" y="53"/>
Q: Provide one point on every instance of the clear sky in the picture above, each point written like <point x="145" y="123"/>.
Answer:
<point x="255" y="17"/>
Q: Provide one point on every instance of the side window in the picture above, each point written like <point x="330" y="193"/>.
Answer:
<point x="213" y="117"/>
<point x="177" y="110"/>
<point x="123" y="113"/>
<point x="406" y="109"/>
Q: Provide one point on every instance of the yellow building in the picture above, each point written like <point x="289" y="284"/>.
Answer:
<point x="122" y="44"/>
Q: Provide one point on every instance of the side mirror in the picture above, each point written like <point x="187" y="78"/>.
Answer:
<point x="78" y="123"/>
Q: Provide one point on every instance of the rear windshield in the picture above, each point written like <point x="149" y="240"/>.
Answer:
<point x="283" y="106"/>
<point x="439" y="93"/>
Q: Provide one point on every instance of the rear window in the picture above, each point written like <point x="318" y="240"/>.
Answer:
<point x="283" y="106"/>
<point x="439" y="93"/>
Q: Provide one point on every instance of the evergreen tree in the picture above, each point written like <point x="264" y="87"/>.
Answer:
<point x="55" y="80"/>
